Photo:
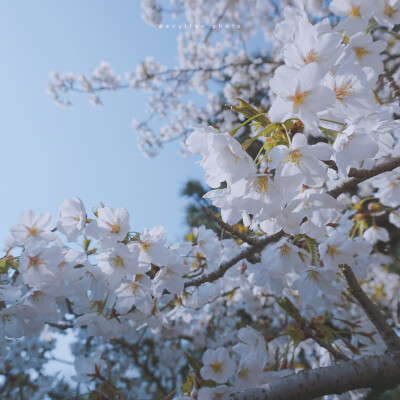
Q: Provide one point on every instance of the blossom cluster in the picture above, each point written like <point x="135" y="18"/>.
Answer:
<point x="316" y="190"/>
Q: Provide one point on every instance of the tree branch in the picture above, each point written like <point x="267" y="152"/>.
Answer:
<point x="248" y="252"/>
<point x="358" y="177"/>
<point x="364" y="372"/>
<point x="337" y="354"/>
<point x="388" y="335"/>
<point x="362" y="175"/>
<point x="392" y="84"/>
<point x="229" y="228"/>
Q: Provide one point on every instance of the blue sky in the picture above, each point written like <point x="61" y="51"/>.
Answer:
<point x="50" y="153"/>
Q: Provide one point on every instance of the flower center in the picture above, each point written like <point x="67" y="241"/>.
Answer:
<point x="7" y="318"/>
<point x="389" y="10"/>
<point x="33" y="231"/>
<point x="295" y="158"/>
<point x="344" y="90"/>
<point x="355" y="11"/>
<point x="284" y="250"/>
<point x="360" y="52"/>
<point x="217" y="366"/>
<point x="146" y="246"/>
<point x="311" y="56"/>
<point x="115" y="228"/>
<point x="298" y="99"/>
<point x="34" y="262"/>
<point x="260" y="185"/>
<point x="133" y="287"/>
<point x="333" y="251"/>
<point x="313" y="276"/>
<point x="118" y="261"/>
<point x="244" y="373"/>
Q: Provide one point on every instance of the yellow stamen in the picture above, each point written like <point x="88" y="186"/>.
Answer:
<point x="298" y="99"/>
<point x="333" y="251"/>
<point x="389" y="10"/>
<point x="284" y="250"/>
<point x="295" y="158"/>
<point x="118" y="261"/>
<point x="260" y="185"/>
<point x="35" y="262"/>
<point x="361" y="52"/>
<point x="313" y="275"/>
<point x="146" y="246"/>
<point x="115" y="228"/>
<point x="33" y="231"/>
<point x="244" y="373"/>
<point x="344" y="90"/>
<point x="217" y="366"/>
<point x="311" y="56"/>
<point x="355" y="11"/>
<point x="234" y="156"/>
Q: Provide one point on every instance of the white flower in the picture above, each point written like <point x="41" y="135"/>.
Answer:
<point x="250" y="373"/>
<point x="223" y="156"/>
<point x="118" y="263"/>
<point x="170" y="277"/>
<point x="71" y="218"/>
<point x="314" y="280"/>
<point x="351" y="146"/>
<point x="387" y="12"/>
<point x="376" y="233"/>
<point x="206" y="393"/>
<point x="88" y="368"/>
<point x="151" y="248"/>
<point x="353" y="91"/>
<point x="388" y="185"/>
<point x="39" y="265"/>
<point x="311" y="47"/>
<point x="358" y="12"/>
<point x="13" y="320"/>
<point x="218" y="367"/>
<point x="394" y="218"/>
<point x="299" y="94"/>
<point x="33" y="228"/>
<point x="135" y="293"/>
<point x="253" y="345"/>
<point x="367" y="51"/>
<point x="299" y="164"/>
<point x="110" y="227"/>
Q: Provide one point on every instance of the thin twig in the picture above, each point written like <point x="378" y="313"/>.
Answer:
<point x="337" y="354"/>
<point x="388" y="335"/>
<point x="220" y="272"/>
<point x="231" y="229"/>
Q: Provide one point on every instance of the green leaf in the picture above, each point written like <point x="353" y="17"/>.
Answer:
<point x="6" y="264"/>
<point x="290" y="309"/>
<point x="249" y="111"/>
<point x="193" y="363"/>
<point x="188" y="385"/>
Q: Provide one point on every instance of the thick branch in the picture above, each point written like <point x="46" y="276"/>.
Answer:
<point x="362" y="175"/>
<point x="388" y="335"/>
<point x="364" y="372"/>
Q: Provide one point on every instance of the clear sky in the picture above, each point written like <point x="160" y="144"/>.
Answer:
<point x="49" y="153"/>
